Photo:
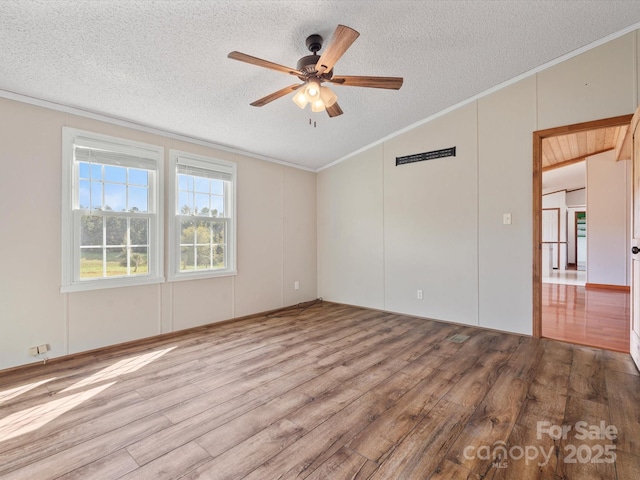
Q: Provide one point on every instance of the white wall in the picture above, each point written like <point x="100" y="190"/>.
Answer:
<point x="276" y="247"/>
<point x="442" y="224"/>
<point x="577" y="198"/>
<point x="608" y="217"/>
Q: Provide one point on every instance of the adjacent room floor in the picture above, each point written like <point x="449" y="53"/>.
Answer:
<point x="586" y="316"/>
<point x="328" y="392"/>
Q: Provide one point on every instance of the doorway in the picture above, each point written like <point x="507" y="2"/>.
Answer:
<point x="549" y="148"/>
<point x="580" y="239"/>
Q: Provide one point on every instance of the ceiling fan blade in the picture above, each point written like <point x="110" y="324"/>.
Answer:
<point x="393" y="83"/>
<point x="243" y="57"/>
<point x="342" y="39"/>
<point x="275" y="95"/>
<point x="334" y="110"/>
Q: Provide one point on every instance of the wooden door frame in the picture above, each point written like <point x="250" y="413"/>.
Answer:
<point x="538" y="136"/>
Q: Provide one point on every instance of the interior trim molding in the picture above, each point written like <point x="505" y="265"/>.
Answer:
<point x="118" y="347"/>
<point x="522" y="76"/>
<point x="102" y="117"/>
<point x="605" y="286"/>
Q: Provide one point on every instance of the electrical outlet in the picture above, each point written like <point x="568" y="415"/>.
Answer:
<point x="296" y="285"/>
<point x="44" y="348"/>
<point x="33" y="351"/>
<point x="506" y="219"/>
<point x="419" y="295"/>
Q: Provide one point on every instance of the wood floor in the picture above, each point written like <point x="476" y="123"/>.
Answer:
<point x="335" y="392"/>
<point x="594" y="317"/>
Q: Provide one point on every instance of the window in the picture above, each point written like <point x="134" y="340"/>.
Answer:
<point x="112" y="218"/>
<point x="203" y="219"/>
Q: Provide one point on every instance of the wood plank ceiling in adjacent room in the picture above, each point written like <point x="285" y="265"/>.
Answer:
<point x="574" y="147"/>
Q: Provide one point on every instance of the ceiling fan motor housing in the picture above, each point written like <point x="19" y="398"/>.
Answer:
<point x="314" y="43"/>
<point x="307" y="65"/>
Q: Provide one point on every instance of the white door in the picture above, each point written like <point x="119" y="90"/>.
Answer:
<point x="551" y="233"/>
<point x="634" y="344"/>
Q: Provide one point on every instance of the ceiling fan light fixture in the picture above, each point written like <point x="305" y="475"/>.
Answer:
<point x="300" y="99"/>
<point x="327" y="96"/>
<point x="317" y="106"/>
<point x="312" y="90"/>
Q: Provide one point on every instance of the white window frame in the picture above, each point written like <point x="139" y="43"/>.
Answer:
<point x="153" y="156"/>
<point x="177" y="157"/>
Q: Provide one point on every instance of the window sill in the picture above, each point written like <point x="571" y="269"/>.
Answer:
<point x="201" y="275"/>
<point x="110" y="283"/>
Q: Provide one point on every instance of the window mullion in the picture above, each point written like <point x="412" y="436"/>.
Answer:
<point x="128" y="245"/>
<point x="104" y="246"/>
<point x="195" y="246"/>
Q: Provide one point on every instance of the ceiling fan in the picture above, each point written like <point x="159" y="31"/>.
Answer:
<point x="314" y="70"/>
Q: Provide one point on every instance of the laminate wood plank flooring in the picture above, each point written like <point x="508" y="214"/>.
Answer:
<point x="586" y="316"/>
<point x="325" y="392"/>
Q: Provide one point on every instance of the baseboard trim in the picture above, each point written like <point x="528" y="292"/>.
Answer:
<point x="604" y="286"/>
<point x="123" y="347"/>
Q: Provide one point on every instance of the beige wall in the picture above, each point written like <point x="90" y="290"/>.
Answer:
<point x="276" y="247"/>
<point x="431" y="221"/>
<point x="441" y="220"/>
<point x="350" y="231"/>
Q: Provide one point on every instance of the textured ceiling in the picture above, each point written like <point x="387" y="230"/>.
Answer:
<point x="164" y="64"/>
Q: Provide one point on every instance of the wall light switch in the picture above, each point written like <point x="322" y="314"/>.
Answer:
<point x="419" y="295"/>
<point x="296" y="285"/>
<point x="506" y="219"/>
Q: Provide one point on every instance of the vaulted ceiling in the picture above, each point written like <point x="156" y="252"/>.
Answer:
<point x="163" y="64"/>
<point x="561" y="150"/>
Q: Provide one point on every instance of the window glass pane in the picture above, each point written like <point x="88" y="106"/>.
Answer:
<point x="139" y="231"/>
<point x="138" y="177"/>
<point x="116" y="262"/>
<point x="202" y="184"/>
<point x="185" y="203"/>
<point x="116" y="231"/>
<point x="90" y="230"/>
<point x="217" y="187"/>
<point x="202" y="202"/>
<point x="138" y="199"/>
<point x="96" y="171"/>
<point x="115" y="197"/>
<point x="138" y="261"/>
<point x="91" y="263"/>
<point x="84" y="189"/>
<point x="96" y="196"/>
<point x="217" y="232"/>
<point x="219" y="259"/>
<point x="187" y="232"/>
<point x="83" y="169"/>
<point x="187" y="259"/>
<point x="203" y="233"/>
<point x="183" y="182"/>
<point x="115" y="174"/>
<point x="217" y="205"/>
<point x="202" y="245"/>
<point x="204" y="258"/>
